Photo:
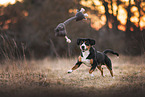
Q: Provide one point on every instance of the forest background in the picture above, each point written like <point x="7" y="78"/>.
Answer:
<point x="27" y="27"/>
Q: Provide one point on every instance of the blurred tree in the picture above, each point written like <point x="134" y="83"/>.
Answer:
<point x="115" y="22"/>
<point x="138" y="5"/>
<point x="107" y="14"/>
<point x="141" y="33"/>
<point x="134" y="35"/>
<point x="32" y="23"/>
<point x="133" y="40"/>
<point x="128" y="24"/>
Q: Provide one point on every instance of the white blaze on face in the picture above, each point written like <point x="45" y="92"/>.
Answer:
<point x="83" y="45"/>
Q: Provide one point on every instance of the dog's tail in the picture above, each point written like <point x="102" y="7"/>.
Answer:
<point x="110" y="51"/>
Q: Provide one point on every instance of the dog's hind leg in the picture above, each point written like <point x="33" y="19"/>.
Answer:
<point x="92" y="68"/>
<point x="111" y="72"/>
<point x="101" y="69"/>
<point x="109" y="65"/>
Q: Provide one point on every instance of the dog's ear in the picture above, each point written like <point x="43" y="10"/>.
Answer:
<point x="92" y="42"/>
<point x="79" y="41"/>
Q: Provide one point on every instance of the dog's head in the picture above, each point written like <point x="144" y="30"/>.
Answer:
<point x="85" y="43"/>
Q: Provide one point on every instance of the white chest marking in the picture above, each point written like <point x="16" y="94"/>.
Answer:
<point x="84" y="60"/>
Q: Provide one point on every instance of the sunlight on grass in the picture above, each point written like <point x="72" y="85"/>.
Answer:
<point x="52" y="74"/>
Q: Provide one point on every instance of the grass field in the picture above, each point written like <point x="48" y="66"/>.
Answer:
<point x="49" y="78"/>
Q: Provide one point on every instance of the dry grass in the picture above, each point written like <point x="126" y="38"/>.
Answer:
<point x="49" y="78"/>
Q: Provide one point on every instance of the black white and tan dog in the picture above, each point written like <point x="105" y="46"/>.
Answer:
<point x="92" y="58"/>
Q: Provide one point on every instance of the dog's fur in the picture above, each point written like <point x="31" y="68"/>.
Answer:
<point x="93" y="58"/>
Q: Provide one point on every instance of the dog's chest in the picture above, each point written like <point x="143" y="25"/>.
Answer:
<point x="84" y="58"/>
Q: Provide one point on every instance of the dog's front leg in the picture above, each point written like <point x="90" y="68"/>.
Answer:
<point x="93" y="63"/>
<point x="77" y="65"/>
<point x="101" y="69"/>
<point x="90" y="72"/>
<point x="80" y="59"/>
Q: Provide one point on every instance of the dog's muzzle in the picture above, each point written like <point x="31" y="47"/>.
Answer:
<point x="83" y="47"/>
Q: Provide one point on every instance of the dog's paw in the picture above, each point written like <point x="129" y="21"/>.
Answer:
<point x="92" y="75"/>
<point x="69" y="71"/>
<point x="103" y="75"/>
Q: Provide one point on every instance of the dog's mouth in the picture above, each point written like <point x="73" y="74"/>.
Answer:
<point x="84" y="50"/>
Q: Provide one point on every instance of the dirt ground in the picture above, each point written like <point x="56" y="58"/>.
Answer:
<point x="49" y="78"/>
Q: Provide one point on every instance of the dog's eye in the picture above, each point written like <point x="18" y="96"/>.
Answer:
<point x="87" y="43"/>
<point x="82" y="42"/>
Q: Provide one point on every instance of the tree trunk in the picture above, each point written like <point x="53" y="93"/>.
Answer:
<point x="139" y="8"/>
<point x="106" y="13"/>
<point x="115" y="22"/>
<point x="128" y="18"/>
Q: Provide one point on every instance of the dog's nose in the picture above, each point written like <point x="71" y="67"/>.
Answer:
<point x="83" y="47"/>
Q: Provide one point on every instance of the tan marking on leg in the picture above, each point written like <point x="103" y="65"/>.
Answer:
<point x="90" y="71"/>
<point x="75" y="67"/>
<point x="111" y="72"/>
<point x="79" y="58"/>
<point x="99" y="67"/>
<point x="91" y="61"/>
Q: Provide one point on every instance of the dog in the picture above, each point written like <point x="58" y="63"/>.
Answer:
<point x="92" y="58"/>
